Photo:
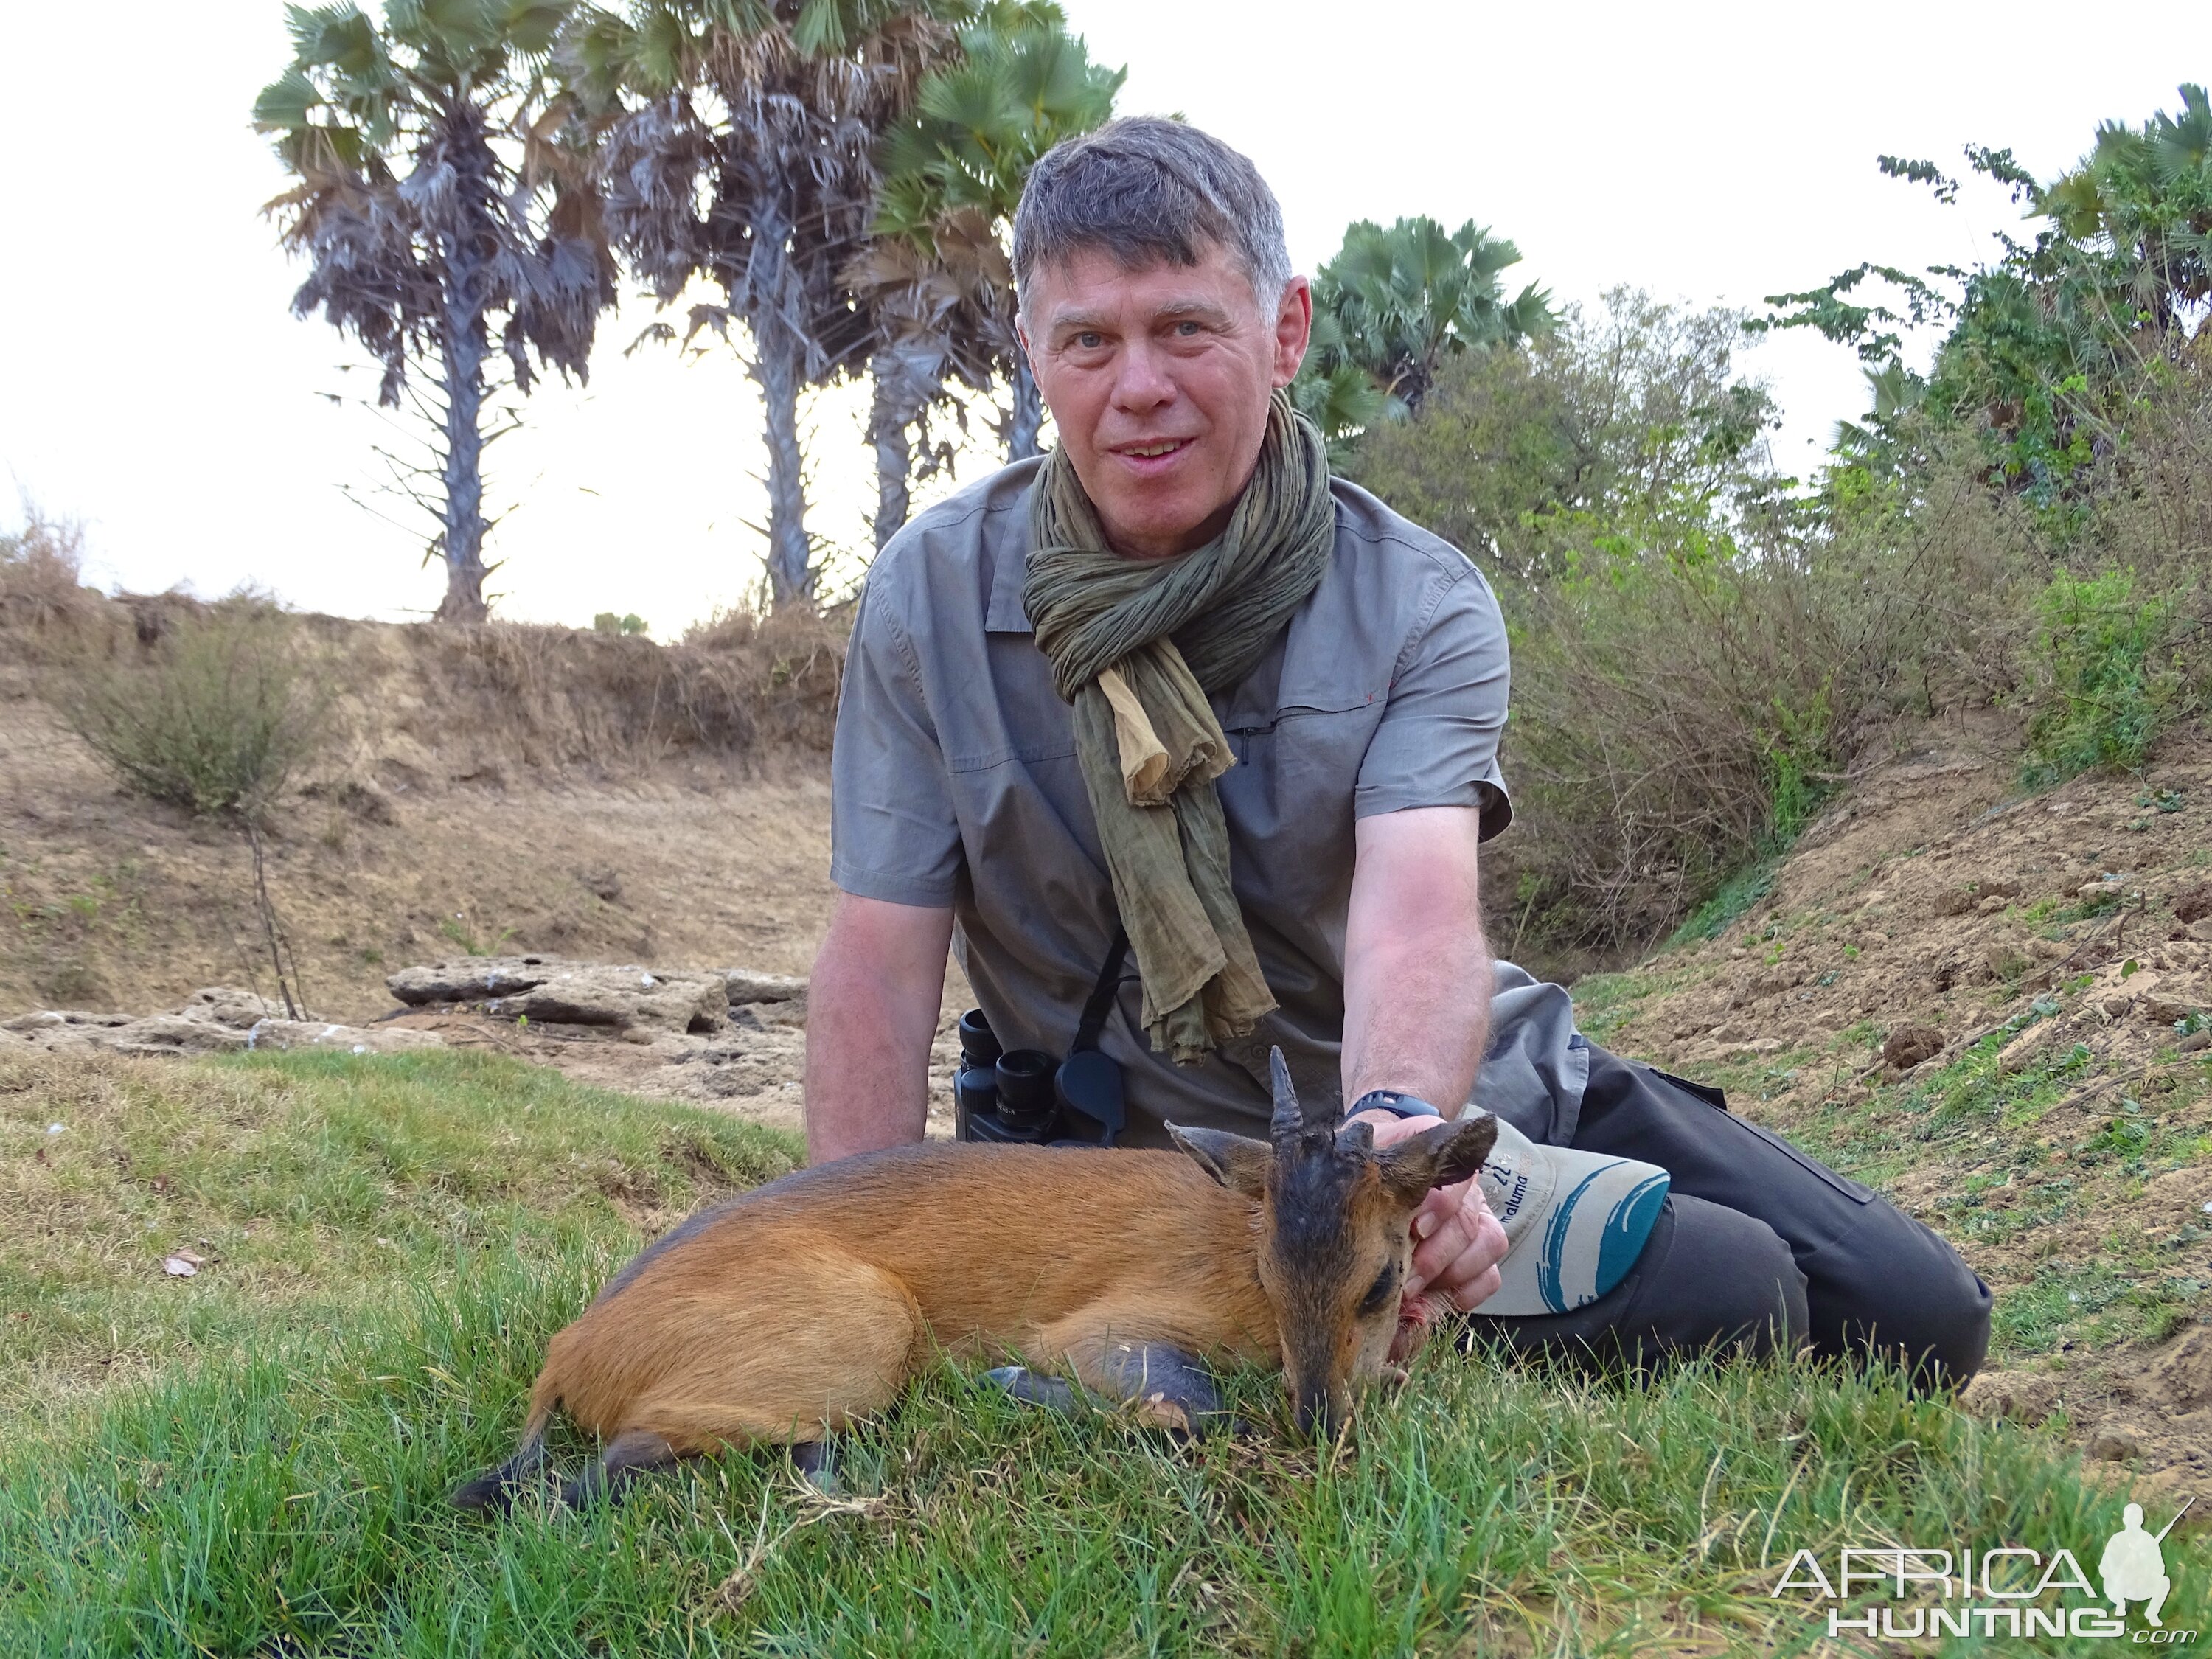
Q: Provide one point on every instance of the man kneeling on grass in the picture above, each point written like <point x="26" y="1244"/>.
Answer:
<point x="1173" y="693"/>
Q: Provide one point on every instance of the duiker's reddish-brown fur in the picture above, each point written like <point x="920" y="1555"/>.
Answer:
<point x="783" y="1314"/>
<point x="790" y="1311"/>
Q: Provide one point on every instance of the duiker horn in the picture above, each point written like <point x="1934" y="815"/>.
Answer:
<point x="1297" y="1128"/>
<point x="1289" y="1122"/>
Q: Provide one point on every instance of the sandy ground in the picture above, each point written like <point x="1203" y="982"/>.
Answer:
<point x="117" y="905"/>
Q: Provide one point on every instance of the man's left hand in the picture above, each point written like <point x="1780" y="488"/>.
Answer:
<point x="1457" y="1242"/>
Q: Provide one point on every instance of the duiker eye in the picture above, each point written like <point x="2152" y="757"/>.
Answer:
<point x="1378" y="1293"/>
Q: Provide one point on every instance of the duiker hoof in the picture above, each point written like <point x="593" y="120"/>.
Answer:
<point x="1168" y="1389"/>
<point x="816" y="1463"/>
<point x="1032" y="1389"/>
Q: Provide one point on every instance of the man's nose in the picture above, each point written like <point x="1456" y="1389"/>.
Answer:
<point x="1141" y="381"/>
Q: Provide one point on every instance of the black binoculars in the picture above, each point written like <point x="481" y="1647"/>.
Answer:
<point x="1026" y="1095"/>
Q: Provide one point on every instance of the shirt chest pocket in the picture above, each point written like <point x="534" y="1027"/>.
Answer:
<point x="1314" y="729"/>
<point x="1305" y="757"/>
<point x="1289" y="798"/>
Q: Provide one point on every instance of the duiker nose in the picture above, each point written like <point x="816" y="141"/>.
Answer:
<point x="1315" y="1410"/>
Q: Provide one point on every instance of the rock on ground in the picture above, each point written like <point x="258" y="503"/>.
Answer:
<point x="774" y="998"/>
<point x="218" y="1020"/>
<point x="550" y="990"/>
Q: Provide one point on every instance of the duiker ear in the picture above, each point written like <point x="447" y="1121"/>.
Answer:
<point x="1236" y="1161"/>
<point x="1441" y="1156"/>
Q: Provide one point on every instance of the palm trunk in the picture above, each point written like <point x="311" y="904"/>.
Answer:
<point x="463" y="473"/>
<point x="1029" y="411"/>
<point x="463" y="346"/>
<point x="887" y="431"/>
<point x="778" y="367"/>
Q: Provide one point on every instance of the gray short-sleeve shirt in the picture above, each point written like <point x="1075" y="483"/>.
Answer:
<point x="954" y="783"/>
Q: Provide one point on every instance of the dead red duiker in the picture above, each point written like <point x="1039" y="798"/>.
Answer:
<point x="779" y="1317"/>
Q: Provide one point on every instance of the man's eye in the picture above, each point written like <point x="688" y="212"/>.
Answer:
<point x="1186" y="329"/>
<point x="1089" y="342"/>
<point x="1378" y="1293"/>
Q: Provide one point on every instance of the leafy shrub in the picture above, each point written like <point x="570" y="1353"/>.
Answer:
<point x="2110" y="679"/>
<point x="608" y="622"/>
<point x="216" y="717"/>
<point x="1673" y="720"/>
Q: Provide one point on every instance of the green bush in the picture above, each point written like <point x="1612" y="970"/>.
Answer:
<point x="216" y="718"/>
<point x="2110" y="679"/>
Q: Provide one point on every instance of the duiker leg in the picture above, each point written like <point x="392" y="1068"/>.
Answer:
<point x="837" y="1342"/>
<point x="1167" y="1385"/>
<point x="625" y="1457"/>
<point x="495" y="1489"/>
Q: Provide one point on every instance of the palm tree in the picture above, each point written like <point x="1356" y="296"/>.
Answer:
<point x="1394" y="304"/>
<point x="441" y="184"/>
<point x="2143" y="198"/>
<point x="746" y="155"/>
<point x="1021" y="84"/>
<point x="938" y="299"/>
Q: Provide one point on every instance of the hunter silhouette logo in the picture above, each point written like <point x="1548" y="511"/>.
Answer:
<point x="2004" y="1590"/>
<point x="2133" y="1566"/>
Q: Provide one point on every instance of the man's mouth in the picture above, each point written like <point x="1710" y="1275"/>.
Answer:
<point x="1153" y="450"/>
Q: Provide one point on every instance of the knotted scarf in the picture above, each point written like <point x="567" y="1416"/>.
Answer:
<point x="1136" y="646"/>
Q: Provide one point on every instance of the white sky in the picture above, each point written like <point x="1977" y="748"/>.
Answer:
<point x="153" y="384"/>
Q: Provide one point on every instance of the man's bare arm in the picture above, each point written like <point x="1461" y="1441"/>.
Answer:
<point x="1416" y="965"/>
<point x="1417" y="1016"/>
<point x="871" y="1011"/>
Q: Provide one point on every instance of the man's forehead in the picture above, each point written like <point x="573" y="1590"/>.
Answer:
<point x="1092" y="286"/>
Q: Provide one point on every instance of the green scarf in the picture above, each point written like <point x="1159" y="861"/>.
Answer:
<point x="1136" y="644"/>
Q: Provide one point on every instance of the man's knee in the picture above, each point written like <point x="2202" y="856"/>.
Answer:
<point x="1726" y="1280"/>
<point x="1896" y="1289"/>
<point x="1710" y="1278"/>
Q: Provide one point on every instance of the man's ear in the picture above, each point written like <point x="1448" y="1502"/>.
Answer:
<point x="1237" y="1162"/>
<point x="1293" y="329"/>
<point x="1442" y="1156"/>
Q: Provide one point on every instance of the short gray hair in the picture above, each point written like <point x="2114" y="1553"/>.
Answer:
<point x="1143" y="190"/>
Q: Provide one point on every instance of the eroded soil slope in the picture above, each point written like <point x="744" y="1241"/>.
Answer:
<point x="1996" y="1008"/>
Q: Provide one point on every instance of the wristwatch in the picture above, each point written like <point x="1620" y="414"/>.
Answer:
<point x="1390" y="1100"/>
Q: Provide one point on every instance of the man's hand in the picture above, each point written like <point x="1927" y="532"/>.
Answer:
<point x="1457" y="1241"/>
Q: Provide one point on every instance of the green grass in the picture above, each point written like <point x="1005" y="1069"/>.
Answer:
<point x="271" y="1477"/>
<point x="1736" y="895"/>
<point x="311" y="1183"/>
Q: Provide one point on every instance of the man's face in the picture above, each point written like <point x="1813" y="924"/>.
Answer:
<point x="1158" y="379"/>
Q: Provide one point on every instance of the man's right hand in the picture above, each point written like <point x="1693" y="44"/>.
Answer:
<point x="871" y="1011"/>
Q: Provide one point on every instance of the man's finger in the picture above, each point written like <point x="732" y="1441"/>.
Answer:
<point x="1441" y="1229"/>
<point x="1474" y="1277"/>
<point x="1477" y="1291"/>
<point x="1462" y="1251"/>
<point x="1434" y="1262"/>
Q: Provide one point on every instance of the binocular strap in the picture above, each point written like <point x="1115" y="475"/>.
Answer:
<point x="1095" y="1011"/>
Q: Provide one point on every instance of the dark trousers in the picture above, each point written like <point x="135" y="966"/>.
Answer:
<point x="1759" y="1246"/>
